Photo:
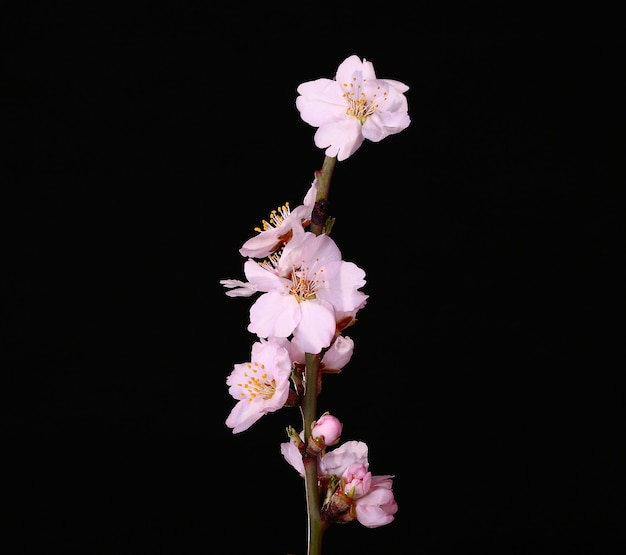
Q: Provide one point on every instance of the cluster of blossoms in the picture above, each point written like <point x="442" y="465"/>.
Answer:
<point x="307" y="296"/>
<point x="351" y="492"/>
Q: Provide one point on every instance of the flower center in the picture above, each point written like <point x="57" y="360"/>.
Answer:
<point x="271" y="261"/>
<point x="277" y="217"/>
<point x="304" y="283"/>
<point x="258" y="383"/>
<point x="359" y="104"/>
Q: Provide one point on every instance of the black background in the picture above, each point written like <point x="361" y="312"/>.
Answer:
<point x="144" y="142"/>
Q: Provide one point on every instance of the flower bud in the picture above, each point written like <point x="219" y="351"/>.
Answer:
<point x="327" y="427"/>
<point x="338" y="355"/>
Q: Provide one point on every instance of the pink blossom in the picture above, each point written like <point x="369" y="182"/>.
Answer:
<point x="260" y="386"/>
<point x="353" y="106"/>
<point x="303" y="290"/>
<point x="377" y="507"/>
<point x="282" y="223"/>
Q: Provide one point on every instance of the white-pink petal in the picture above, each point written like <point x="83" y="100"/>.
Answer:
<point x="316" y="327"/>
<point x="352" y="66"/>
<point x="374" y="516"/>
<point x="261" y="245"/>
<point x="292" y="456"/>
<point x="339" y="353"/>
<point x="338" y="460"/>
<point x="382" y="124"/>
<point x="342" y="291"/>
<point x="274" y="314"/>
<point x="320" y="101"/>
<point x="262" y="278"/>
<point x="341" y="137"/>
<point x="238" y="288"/>
<point x="243" y="415"/>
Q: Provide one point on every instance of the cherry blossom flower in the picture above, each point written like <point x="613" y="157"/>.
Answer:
<point x="261" y="385"/>
<point x="302" y="291"/>
<point x="352" y="107"/>
<point x="377" y="506"/>
<point x="279" y="228"/>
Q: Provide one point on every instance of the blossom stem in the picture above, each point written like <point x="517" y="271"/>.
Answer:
<point x="321" y="201"/>
<point x="316" y="525"/>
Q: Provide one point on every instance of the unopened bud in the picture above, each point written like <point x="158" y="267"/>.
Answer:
<point x="328" y="428"/>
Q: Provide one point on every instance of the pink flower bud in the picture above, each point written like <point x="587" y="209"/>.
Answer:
<point x="327" y="427"/>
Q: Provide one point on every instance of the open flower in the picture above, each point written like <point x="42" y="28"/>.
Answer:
<point x="352" y="107"/>
<point x="280" y="227"/>
<point x="303" y="290"/>
<point x="261" y="385"/>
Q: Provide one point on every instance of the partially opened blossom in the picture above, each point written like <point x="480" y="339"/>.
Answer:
<point x="338" y="354"/>
<point x="378" y="506"/>
<point x="353" y="106"/>
<point x="261" y="385"/>
<point x="303" y="291"/>
<point x="334" y="358"/>
<point x="281" y="225"/>
<point x="356" y="480"/>
<point x="334" y="462"/>
<point x="337" y="461"/>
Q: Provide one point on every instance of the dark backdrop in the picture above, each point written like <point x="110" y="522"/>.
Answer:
<point x="145" y="141"/>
